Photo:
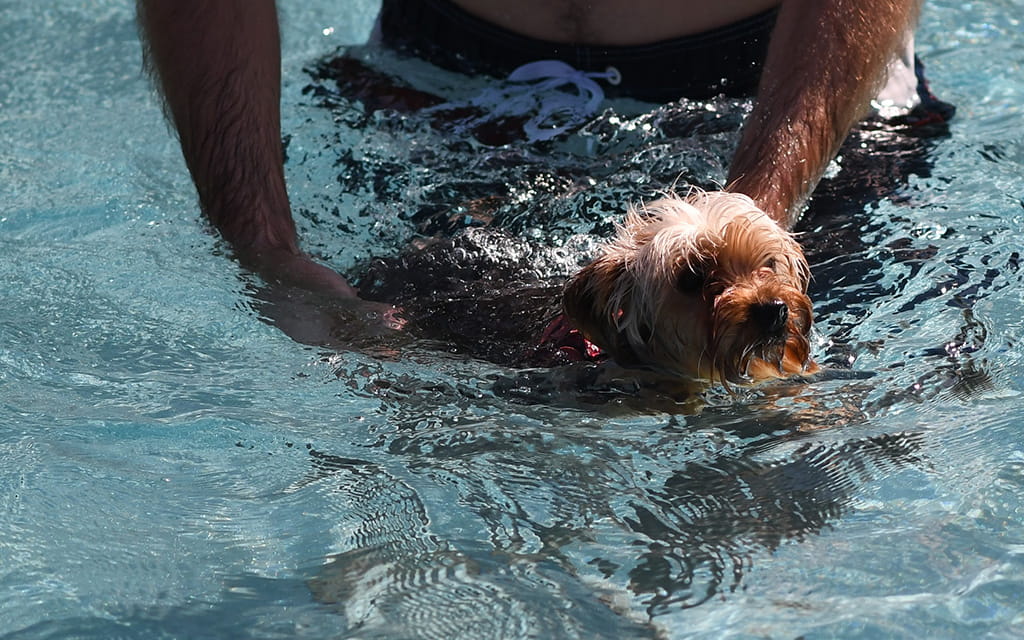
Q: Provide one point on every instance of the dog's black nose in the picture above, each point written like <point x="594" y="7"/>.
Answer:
<point x="770" y="316"/>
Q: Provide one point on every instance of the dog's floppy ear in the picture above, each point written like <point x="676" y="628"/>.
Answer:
<point x="587" y="299"/>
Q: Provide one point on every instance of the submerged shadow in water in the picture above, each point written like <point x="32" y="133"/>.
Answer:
<point x="686" y="538"/>
<point x="707" y="520"/>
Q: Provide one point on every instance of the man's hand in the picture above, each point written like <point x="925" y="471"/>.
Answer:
<point x="314" y="305"/>
<point x="325" y="321"/>
<point x="286" y="267"/>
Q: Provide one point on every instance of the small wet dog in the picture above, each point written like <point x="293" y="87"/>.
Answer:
<point x="705" y="288"/>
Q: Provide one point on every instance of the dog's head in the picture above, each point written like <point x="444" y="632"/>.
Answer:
<point x="707" y="288"/>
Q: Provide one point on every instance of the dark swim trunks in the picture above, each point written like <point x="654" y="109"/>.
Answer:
<point x="724" y="61"/>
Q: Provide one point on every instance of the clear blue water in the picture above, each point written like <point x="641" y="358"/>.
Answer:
<point x="172" y="466"/>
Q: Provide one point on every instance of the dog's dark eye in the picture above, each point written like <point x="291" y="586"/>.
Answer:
<point x="645" y="332"/>
<point x="691" y="279"/>
<point x="770" y="263"/>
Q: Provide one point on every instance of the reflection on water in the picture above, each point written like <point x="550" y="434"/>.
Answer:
<point x="664" y="523"/>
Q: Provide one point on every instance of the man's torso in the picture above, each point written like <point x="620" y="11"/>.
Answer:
<point x="612" y="22"/>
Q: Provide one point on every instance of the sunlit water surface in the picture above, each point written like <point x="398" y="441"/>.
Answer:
<point x="173" y="465"/>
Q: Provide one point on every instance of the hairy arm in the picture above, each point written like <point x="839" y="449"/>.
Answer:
<point x="826" y="61"/>
<point x="218" y="64"/>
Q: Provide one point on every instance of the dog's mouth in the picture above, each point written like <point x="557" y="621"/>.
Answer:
<point x="769" y="339"/>
<point x="561" y="343"/>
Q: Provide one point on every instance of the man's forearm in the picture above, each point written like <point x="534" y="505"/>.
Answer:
<point x="219" y="66"/>
<point x="826" y="60"/>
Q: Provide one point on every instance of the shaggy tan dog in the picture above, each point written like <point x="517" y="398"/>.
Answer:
<point x="706" y="287"/>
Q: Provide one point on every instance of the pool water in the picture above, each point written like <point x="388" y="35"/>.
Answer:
<point x="173" y="465"/>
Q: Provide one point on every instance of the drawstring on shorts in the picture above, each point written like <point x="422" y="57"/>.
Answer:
<point x="559" y="96"/>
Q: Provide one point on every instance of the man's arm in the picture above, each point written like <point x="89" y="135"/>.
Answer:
<point x="825" y="62"/>
<point x="219" y="66"/>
